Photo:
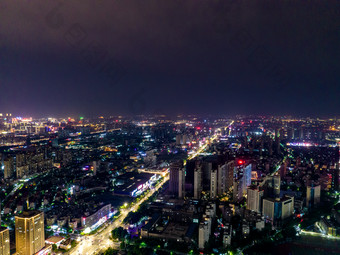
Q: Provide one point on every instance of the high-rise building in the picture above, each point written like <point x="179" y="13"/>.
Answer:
<point x="94" y="165"/>
<point x="335" y="176"/>
<point x="290" y="133"/>
<point x="254" y="199"/>
<point x="182" y="139"/>
<point x="237" y="189"/>
<point x="198" y="182"/>
<point x="29" y="232"/>
<point x="227" y="233"/>
<point x="277" y="141"/>
<point x="204" y="233"/>
<point x="221" y="179"/>
<point x="273" y="186"/>
<point x="301" y="136"/>
<point x="283" y="170"/>
<point x="274" y="209"/>
<point x="204" y="229"/>
<point x="190" y="177"/>
<point x="178" y="139"/>
<point x="270" y="149"/>
<point x="287" y="207"/>
<point x="225" y="174"/>
<point x="261" y="146"/>
<point x="8" y="167"/>
<point x="276" y="185"/>
<point x="230" y="174"/>
<point x="242" y="180"/>
<point x="213" y="183"/>
<point x="174" y="177"/>
<point x="181" y="183"/>
<point x="269" y="209"/>
<point x="4" y="241"/>
<point x="247" y="176"/>
<point x="206" y="170"/>
<point x="313" y="196"/>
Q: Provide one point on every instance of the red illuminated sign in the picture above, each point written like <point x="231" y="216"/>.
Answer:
<point x="241" y="162"/>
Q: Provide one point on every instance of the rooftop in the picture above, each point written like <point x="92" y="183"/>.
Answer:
<point x="29" y="214"/>
<point x="55" y="239"/>
<point x="2" y="229"/>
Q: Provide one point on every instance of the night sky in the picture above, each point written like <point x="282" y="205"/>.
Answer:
<point x="132" y="57"/>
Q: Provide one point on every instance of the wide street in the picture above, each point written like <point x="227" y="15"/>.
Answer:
<point x="101" y="240"/>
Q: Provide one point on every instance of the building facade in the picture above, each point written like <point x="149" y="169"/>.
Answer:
<point x="254" y="199"/>
<point x="313" y="196"/>
<point x="4" y="241"/>
<point x="198" y="182"/>
<point x="29" y="232"/>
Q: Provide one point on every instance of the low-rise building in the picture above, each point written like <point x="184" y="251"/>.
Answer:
<point x="327" y="227"/>
<point x="57" y="240"/>
<point x="97" y="218"/>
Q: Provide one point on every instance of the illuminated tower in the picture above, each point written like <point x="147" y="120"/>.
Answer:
<point x="29" y="232"/>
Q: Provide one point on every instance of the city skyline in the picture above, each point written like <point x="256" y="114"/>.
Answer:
<point x="87" y="185"/>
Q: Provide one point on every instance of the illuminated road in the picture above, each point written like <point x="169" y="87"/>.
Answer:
<point x="100" y="241"/>
<point x="304" y="232"/>
<point x="104" y="131"/>
<point x="204" y="146"/>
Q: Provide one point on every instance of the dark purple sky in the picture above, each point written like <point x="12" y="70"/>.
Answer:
<point x="176" y="56"/>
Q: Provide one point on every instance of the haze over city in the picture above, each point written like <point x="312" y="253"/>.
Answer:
<point x="170" y="57"/>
